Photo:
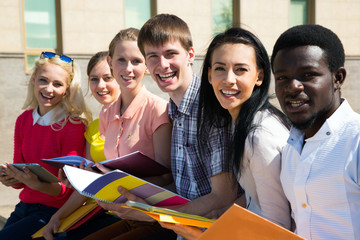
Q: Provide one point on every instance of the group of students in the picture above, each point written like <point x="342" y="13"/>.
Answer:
<point x="222" y="139"/>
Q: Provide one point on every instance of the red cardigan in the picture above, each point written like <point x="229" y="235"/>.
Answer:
<point x="34" y="142"/>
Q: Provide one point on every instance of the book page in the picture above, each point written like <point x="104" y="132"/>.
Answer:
<point x="67" y="160"/>
<point x="80" y="178"/>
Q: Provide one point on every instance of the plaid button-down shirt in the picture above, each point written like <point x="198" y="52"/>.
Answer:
<point x="191" y="168"/>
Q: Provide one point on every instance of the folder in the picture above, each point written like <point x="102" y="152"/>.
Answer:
<point x="76" y="218"/>
<point x="239" y="223"/>
<point x="171" y="216"/>
<point x="135" y="163"/>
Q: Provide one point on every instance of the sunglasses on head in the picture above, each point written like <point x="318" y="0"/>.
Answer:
<point x="62" y="57"/>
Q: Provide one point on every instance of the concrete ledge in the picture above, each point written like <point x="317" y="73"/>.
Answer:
<point x="2" y="222"/>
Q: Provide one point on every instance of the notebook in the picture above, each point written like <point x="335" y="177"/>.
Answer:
<point x="239" y="223"/>
<point x="135" y="163"/>
<point x="103" y="187"/>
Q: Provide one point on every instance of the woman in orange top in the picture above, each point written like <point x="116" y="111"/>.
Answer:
<point x="137" y="121"/>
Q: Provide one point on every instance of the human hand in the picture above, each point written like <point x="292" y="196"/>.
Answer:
<point x="188" y="232"/>
<point x="5" y="179"/>
<point x="126" y="213"/>
<point x="24" y="176"/>
<point x="9" y="181"/>
<point x="2" y="170"/>
<point x="64" y="179"/>
<point x="102" y="168"/>
<point x="216" y="213"/>
<point x="88" y="167"/>
<point x="51" y="228"/>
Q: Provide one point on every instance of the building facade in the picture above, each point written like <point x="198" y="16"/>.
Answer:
<point x="83" y="27"/>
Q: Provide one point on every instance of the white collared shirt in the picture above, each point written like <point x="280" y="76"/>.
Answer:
<point x="321" y="180"/>
<point x="260" y="175"/>
<point x="45" y="120"/>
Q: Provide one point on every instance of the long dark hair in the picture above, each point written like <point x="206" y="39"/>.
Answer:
<point x="211" y="114"/>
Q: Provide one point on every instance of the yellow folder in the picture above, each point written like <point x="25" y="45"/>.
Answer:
<point x="171" y="216"/>
<point x="239" y="223"/>
<point x="72" y="219"/>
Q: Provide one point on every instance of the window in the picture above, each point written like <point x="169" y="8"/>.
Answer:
<point x="298" y="12"/>
<point x="222" y="15"/>
<point x="41" y="29"/>
<point x="136" y="16"/>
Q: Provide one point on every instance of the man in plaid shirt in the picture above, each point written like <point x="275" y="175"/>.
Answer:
<point x="202" y="176"/>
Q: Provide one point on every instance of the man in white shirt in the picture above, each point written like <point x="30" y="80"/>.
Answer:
<point x="320" y="164"/>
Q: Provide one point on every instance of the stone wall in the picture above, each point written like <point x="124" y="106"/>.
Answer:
<point x="13" y="92"/>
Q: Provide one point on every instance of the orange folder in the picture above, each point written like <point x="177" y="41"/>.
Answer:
<point x="170" y="216"/>
<point x="239" y="223"/>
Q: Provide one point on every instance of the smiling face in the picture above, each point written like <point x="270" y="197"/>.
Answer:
<point x="50" y="85"/>
<point x="102" y="84"/>
<point x="233" y="75"/>
<point x="128" y="66"/>
<point x="306" y="89"/>
<point x="170" y="67"/>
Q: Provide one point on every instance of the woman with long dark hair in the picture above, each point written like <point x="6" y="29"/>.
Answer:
<point x="234" y="95"/>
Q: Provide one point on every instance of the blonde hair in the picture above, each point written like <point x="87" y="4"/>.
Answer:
<point x="128" y="34"/>
<point x="72" y="104"/>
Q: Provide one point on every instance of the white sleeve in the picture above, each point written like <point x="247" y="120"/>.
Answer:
<point x="265" y="165"/>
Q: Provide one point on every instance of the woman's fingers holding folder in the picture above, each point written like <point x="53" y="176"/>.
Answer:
<point x="188" y="232"/>
<point x="51" y="228"/>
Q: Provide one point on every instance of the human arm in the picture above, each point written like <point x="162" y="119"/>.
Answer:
<point x="63" y="178"/>
<point x="87" y="151"/>
<point x="74" y="202"/>
<point x="94" y="142"/>
<point x="88" y="167"/>
<point x="264" y="158"/>
<point x="223" y="193"/>
<point x="32" y="181"/>
<point x="18" y="156"/>
<point x="67" y="141"/>
<point x="216" y="213"/>
<point x="28" y="149"/>
<point x="70" y="141"/>
<point x="204" y="167"/>
<point x="126" y="213"/>
<point x="162" y="143"/>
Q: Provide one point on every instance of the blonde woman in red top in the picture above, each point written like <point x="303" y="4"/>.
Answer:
<point x="52" y="125"/>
